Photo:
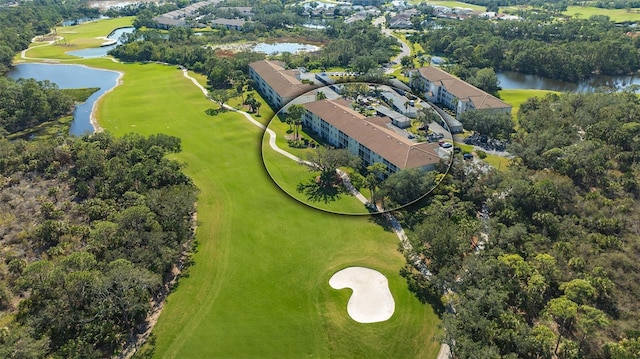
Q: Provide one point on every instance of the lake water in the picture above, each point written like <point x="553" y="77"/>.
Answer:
<point x="71" y="76"/>
<point x="280" y="47"/>
<point x="315" y="23"/>
<point x="514" y="80"/>
<point x="102" y="51"/>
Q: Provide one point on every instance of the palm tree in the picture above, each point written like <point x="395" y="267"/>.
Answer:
<point x="320" y="96"/>
<point x="295" y="113"/>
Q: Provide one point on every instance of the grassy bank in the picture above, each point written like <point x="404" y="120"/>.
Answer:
<point x="71" y="38"/>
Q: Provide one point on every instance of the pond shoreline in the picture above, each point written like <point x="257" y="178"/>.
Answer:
<point x="93" y="120"/>
<point x="81" y="120"/>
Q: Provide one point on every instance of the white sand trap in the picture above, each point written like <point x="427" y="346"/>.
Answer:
<point x="371" y="300"/>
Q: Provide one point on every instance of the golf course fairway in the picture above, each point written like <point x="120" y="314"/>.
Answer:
<point x="259" y="283"/>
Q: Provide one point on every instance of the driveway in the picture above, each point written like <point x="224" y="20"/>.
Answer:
<point x="405" y="49"/>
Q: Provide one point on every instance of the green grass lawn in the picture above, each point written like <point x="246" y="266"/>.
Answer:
<point x="288" y="174"/>
<point x="451" y="4"/>
<point x="517" y="97"/>
<point x="259" y="286"/>
<point x="76" y="37"/>
<point x="617" y="15"/>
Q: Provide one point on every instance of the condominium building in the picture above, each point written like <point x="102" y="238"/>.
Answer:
<point x="370" y="138"/>
<point x="277" y="85"/>
<point x="439" y="86"/>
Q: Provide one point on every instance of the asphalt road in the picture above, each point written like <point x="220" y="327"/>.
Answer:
<point x="405" y="49"/>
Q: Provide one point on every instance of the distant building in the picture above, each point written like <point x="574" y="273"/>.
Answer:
<point x="244" y="11"/>
<point x="229" y="24"/>
<point x="277" y="85"/>
<point x="367" y="137"/>
<point x="400" y="21"/>
<point x="168" y="20"/>
<point x="367" y="2"/>
<point x="179" y="17"/>
<point x="439" y="86"/>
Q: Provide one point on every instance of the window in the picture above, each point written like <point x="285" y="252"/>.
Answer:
<point x="365" y="154"/>
<point x="343" y="139"/>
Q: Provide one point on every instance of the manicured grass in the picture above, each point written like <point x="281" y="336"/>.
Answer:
<point x="398" y="74"/>
<point x="259" y="284"/>
<point x="517" y="97"/>
<point x="280" y="128"/>
<point x="617" y="15"/>
<point x="451" y="4"/>
<point x="288" y="174"/>
<point x="77" y="37"/>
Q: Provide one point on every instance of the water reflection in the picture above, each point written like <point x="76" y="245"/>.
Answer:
<point x="71" y="76"/>
<point x="280" y="47"/>
<point x="514" y="80"/>
<point x="102" y="50"/>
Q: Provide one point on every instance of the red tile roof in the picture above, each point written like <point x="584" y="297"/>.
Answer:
<point x="373" y="133"/>
<point x="462" y="90"/>
<point x="283" y="82"/>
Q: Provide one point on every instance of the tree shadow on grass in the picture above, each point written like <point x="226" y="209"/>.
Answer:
<point x="422" y="289"/>
<point x="379" y="219"/>
<point x="317" y="192"/>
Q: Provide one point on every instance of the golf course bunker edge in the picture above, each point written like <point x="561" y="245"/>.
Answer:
<point x="371" y="300"/>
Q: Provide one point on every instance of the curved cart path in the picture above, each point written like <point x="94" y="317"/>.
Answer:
<point x="444" y="352"/>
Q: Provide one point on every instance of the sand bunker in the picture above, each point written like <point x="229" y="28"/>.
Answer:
<point x="371" y="301"/>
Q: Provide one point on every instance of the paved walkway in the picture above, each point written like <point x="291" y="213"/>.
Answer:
<point x="444" y="352"/>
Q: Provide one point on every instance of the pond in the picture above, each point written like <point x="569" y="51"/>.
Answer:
<point x="72" y="76"/>
<point x="315" y="23"/>
<point x="80" y="21"/>
<point x="102" y="50"/>
<point x="509" y="80"/>
<point x="280" y="47"/>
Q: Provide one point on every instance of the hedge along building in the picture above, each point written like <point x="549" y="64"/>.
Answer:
<point x="438" y="86"/>
<point x="277" y="85"/>
<point x="369" y="138"/>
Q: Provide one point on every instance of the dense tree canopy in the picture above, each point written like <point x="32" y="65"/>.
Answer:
<point x="571" y="49"/>
<point x="489" y="123"/>
<point x="26" y="103"/>
<point x="539" y="261"/>
<point x="98" y="223"/>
